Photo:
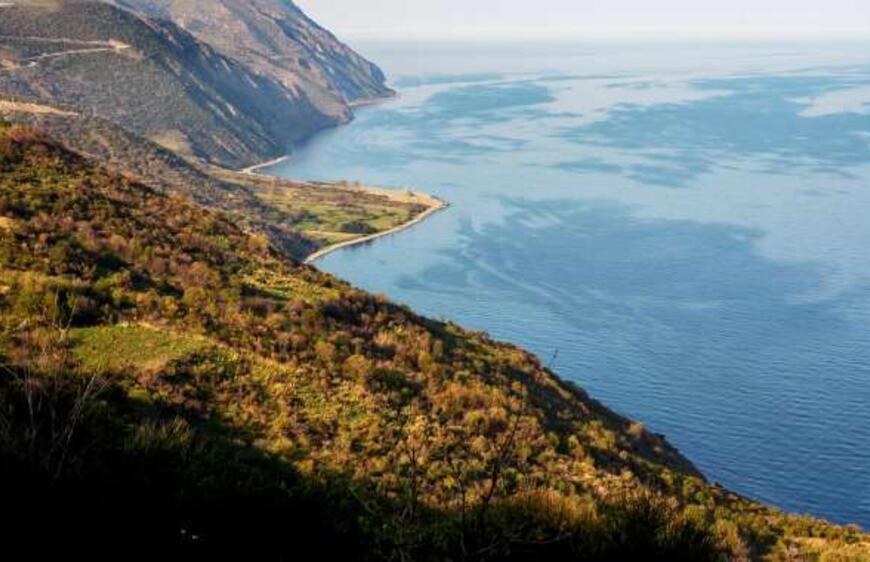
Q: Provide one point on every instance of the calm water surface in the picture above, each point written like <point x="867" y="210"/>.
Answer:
<point x="685" y="229"/>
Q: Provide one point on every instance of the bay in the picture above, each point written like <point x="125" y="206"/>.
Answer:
<point x="682" y="229"/>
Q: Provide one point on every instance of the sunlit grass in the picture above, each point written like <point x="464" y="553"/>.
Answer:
<point x="115" y="348"/>
<point x="334" y="214"/>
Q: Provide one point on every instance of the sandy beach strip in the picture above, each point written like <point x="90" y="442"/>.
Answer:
<point x="255" y="169"/>
<point x="433" y="204"/>
<point x="436" y="206"/>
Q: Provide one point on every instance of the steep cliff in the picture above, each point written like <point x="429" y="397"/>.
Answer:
<point x="275" y="38"/>
<point x="160" y="81"/>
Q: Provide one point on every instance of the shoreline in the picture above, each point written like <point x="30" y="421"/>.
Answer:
<point x="438" y="206"/>
<point x="365" y="102"/>
<point x="255" y="169"/>
<point x="352" y="105"/>
<point x="435" y="204"/>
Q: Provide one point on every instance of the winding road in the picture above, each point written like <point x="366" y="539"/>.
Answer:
<point x="88" y="47"/>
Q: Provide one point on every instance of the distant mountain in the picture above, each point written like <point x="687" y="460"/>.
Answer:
<point x="160" y="81"/>
<point x="276" y="38"/>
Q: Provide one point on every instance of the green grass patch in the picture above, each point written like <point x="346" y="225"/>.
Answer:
<point x="335" y="215"/>
<point x="114" y="348"/>
<point x="287" y="288"/>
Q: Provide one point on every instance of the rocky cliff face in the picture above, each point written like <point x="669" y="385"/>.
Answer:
<point x="276" y="39"/>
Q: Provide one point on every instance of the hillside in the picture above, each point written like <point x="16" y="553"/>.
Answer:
<point x="299" y="217"/>
<point x="157" y="80"/>
<point x="174" y="382"/>
<point x="275" y="38"/>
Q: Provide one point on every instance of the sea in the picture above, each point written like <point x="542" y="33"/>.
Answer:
<point x="681" y="228"/>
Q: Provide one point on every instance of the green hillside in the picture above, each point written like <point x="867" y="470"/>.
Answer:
<point x="298" y="217"/>
<point x="174" y="382"/>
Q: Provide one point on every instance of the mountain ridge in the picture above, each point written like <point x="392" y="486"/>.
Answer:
<point x="158" y="80"/>
<point x="278" y="39"/>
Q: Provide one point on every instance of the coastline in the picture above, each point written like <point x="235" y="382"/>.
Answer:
<point x="434" y="204"/>
<point x="255" y="169"/>
<point x="365" y="102"/>
<point x="437" y="206"/>
<point x="358" y="104"/>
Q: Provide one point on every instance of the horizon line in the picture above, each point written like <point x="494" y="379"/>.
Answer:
<point x="611" y="33"/>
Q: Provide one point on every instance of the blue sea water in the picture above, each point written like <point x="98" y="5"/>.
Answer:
<point x="682" y="229"/>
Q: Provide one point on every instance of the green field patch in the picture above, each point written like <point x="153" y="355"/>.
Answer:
<point x="332" y="215"/>
<point x="278" y="286"/>
<point x="114" y="348"/>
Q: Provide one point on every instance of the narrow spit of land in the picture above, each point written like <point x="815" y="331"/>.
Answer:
<point x="342" y="214"/>
<point x="433" y="205"/>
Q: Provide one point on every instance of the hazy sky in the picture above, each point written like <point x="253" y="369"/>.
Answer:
<point x="597" y="18"/>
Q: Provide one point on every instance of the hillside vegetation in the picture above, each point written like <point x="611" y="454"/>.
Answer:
<point x="299" y="217"/>
<point x="172" y="381"/>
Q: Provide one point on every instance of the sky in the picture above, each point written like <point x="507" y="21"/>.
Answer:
<point x="592" y="18"/>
